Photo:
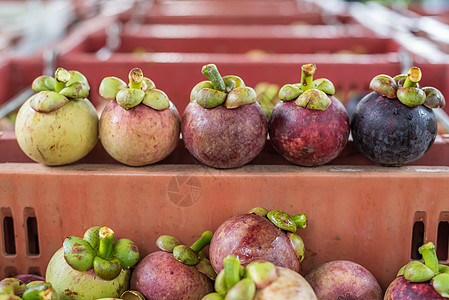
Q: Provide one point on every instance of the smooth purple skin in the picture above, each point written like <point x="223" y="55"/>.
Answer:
<point x="251" y="237"/>
<point x="343" y="279"/>
<point x="160" y="276"/>
<point x="141" y="135"/>
<point x="224" y="138"/>
<point x="27" y="278"/>
<point x="309" y="137"/>
<point x="400" y="288"/>
<point x="391" y="133"/>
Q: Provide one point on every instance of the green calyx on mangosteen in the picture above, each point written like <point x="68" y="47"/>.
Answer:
<point x="430" y="271"/>
<point x="99" y="251"/>
<point x="229" y="90"/>
<point x="139" y="90"/>
<point x="288" y="223"/>
<point x="405" y="87"/>
<point x="310" y="94"/>
<point x="53" y="93"/>
<point x="190" y="256"/>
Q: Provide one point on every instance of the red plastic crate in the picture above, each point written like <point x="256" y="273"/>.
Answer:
<point x="233" y="12"/>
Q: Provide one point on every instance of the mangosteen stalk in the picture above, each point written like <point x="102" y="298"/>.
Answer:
<point x="202" y="242"/>
<point x="62" y="76"/>
<point x="413" y="77"/>
<point x="430" y="257"/>
<point x="106" y="241"/>
<point x="135" y="78"/>
<point x="300" y="220"/>
<point x="307" y="72"/>
<point x="211" y="72"/>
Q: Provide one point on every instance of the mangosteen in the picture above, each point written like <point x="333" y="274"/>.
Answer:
<point x="395" y="125"/>
<point x="176" y="272"/>
<point x="259" y="235"/>
<point x="58" y="125"/>
<point x="27" y="278"/>
<point x="342" y="279"/>
<point x="223" y="126"/>
<point x="417" y="280"/>
<point x="259" y="280"/>
<point x="309" y="127"/>
<point x="13" y="288"/>
<point x="140" y="126"/>
<point x="92" y="267"/>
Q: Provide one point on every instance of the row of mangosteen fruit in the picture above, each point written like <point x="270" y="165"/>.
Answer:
<point x="256" y="255"/>
<point x="223" y="126"/>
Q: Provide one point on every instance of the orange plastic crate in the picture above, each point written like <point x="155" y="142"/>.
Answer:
<point x="372" y="215"/>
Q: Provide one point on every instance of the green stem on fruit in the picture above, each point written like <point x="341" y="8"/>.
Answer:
<point x="300" y="220"/>
<point x="202" y="242"/>
<point x="307" y="72"/>
<point x="211" y="72"/>
<point x="135" y="78"/>
<point x="430" y="256"/>
<point x="106" y="242"/>
<point x="413" y="77"/>
<point x="62" y="76"/>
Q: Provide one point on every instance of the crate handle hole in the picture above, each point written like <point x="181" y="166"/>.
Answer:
<point x="8" y="233"/>
<point x="417" y="239"/>
<point x="443" y="240"/>
<point x="32" y="236"/>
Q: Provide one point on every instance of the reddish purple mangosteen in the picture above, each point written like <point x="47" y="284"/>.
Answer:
<point x="342" y="279"/>
<point x="259" y="235"/>
<point x="309" y="127"/>
<point x="176" y="271"/>
<point x="223" y="126"/>
<point x="395" y="125"/>
<point x="417" y="280"/>
<point x="140" y="125"/>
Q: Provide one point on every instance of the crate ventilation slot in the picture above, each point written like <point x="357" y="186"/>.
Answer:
<point x="443" y="240"/>
<point x="32" y="236"/>
<point x="417" y="239"/>
<point x="9" y="242"/>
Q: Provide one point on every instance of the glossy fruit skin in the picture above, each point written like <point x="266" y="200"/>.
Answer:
<point x="400" y="288"/>
<point x="251" y="237"/>
<point x="342" y="279"/>
<point x="224" y="138"/>
<point x="160" y="276"/>
<point x="59" y="137"/>
<point x="141" y="135"/>
<point x="309" y="137"/>
<point x="391" y="133"/>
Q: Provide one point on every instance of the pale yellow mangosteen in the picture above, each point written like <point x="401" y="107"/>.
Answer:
<point x="58" y="125"/>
